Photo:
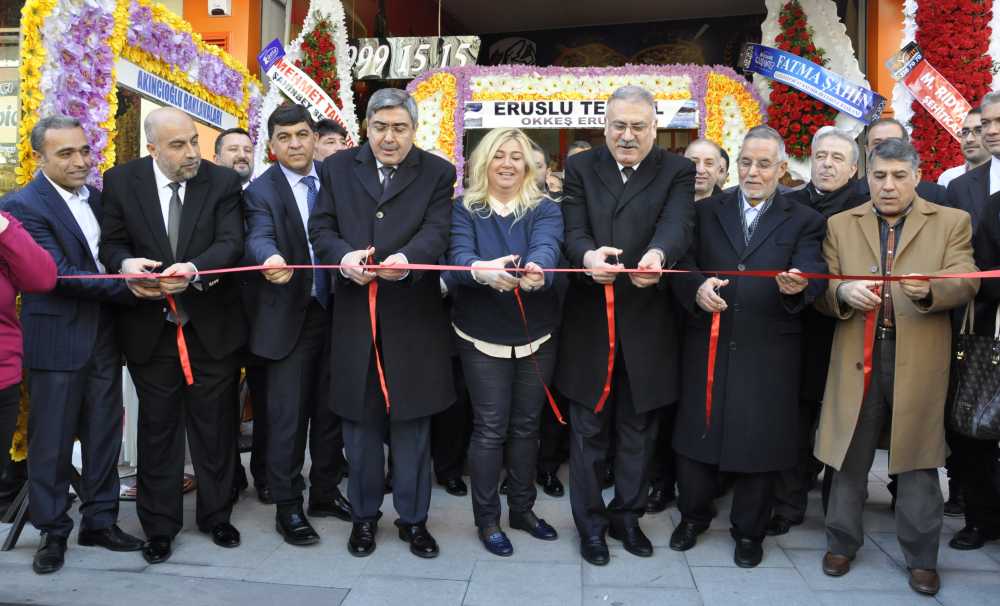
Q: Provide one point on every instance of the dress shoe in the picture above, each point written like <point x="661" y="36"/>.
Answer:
<point x="926" y="582"/>
<point x="595" y="550"/>
<point x="422" y="544"/>
<point x="264" y="494"/>
<point x="550" y="484"/>
<point x="609" y="477"/>
<point x="685" y="535"/>
<point x="111" y="538"/>
<point x="633" y="539"/>
<point x="362" y="540"/>
<point x="835" y="565"/>
<point x="50" y="555"/>
<point x="533" y="525"/>
<point x="337" y="507"/>
<point x="495" y="541"/>
<point x="293" y="526"/>
<point x="780" y="525"/>
<point x="455" y="487"/>
<point x="748" y="553"/>
<point x="387" y="487"/>
<point x="503" y="487"/>
<point x="157" y="550"/>
<point x="954" y="507"/>
<point x="224" y="535"/>
<point x="659" y="499"/>
<point x="971" y="537"/>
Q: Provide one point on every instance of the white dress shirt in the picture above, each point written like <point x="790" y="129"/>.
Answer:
<point x="621" y="167"/>
<point x="301" y="193"/>
<point x="79" y="205"/>
<point x="994" y="175"/>
<point x="165" y="193"/>
<point x="951" y="174"/>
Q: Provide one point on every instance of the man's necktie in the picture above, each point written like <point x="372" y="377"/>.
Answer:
<point x="174" y="217"/>
<point x="628" y="171"/>
<point x="387" y="174"/>
<point x="321" y="279"/>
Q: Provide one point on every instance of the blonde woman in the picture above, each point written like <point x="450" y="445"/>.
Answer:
<point x="505" y="220"/>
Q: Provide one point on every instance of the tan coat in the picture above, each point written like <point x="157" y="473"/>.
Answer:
<point x="935" y="240"/>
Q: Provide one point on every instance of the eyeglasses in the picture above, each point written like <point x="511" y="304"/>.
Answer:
<point x="965" y="132"/>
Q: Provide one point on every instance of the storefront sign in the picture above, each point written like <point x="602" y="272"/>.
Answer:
<point x="135" y="78"/>
<point x="814" y="80"/>
<point x="406" y="58"/>
<point x="568" y="114"/>
<point x="930" y="88"/>
<point x="298" y="86"/>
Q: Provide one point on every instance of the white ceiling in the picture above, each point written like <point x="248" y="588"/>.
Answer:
<point x="491" y="16"/>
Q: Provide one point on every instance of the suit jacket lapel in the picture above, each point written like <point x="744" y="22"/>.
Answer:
<point x="915" y="221"/>
<point x="607" y="170"/>
<point x="367" y="172"/>
<point x="55" y="204"/>
<point x="727" y="210"/>
<point x="647" y="171"/>
<point x="406" y="172"/>
<point x="149" y="202"/>
<point x="868" y="225"/>
<point x="775" y="216"/>
<point x="194" y="201"/>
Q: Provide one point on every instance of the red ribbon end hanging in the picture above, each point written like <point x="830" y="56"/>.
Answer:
<point x="538" y="370"/>
<point x="871" y="320"/>
<point x="609" y="301"/>
<point x="713" y="348"/>
<point x="182" y="348"/>
<point x="373" y="314"/>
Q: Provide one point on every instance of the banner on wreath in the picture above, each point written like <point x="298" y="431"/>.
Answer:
<point x="932" y="90"/>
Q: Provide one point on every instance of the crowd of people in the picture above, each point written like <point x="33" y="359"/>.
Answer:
<point x="666" y="386"/>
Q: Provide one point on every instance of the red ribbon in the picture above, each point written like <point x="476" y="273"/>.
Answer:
<point x="182" y="348"/>
<point x="538" y="370"/>
<point x="713" y="347"/>
<point x="372" y="313"/>
<point x="871" y="319"/>
<point x="609" y="300"/>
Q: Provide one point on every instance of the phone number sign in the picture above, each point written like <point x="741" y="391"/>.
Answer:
<point x="407" y="58"/>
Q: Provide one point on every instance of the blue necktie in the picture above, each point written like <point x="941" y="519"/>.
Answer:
<point x="321" y="279"/>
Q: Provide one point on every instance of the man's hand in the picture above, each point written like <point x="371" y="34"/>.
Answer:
<point x="708" y="297"/>
<point x="393" y="275"/>
<point x="357" y="275"/>
<point x="277" y="276"/>
<point x="596" y="261"/>
<point x="496" y="278"/>
<point x="533" y="278"/>
<point x="653" y="259"/>
<point x="917" y="290"/>
<point x="143" y="288"/>
<point x="860" y="294"/>
<point x="176" y="278"/>
<point x="789" y="283"/>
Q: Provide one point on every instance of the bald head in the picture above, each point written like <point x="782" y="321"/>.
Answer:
<point x="172" y="140"/>
<point x="709" y="171"/>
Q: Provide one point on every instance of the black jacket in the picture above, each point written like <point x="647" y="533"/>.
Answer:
<point x="971" y="193"/>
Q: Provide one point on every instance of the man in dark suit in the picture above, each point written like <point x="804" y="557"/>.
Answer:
<point x="173" y="211"/>
<point x="69" y="346"/>
<point x="972" y="191"/>
<point x="750" y="428"/>
<point x="390" y="202"/>
<point x="890" y="128"/>
<point x="290" y="329"/>
<point x="629" y="204"/>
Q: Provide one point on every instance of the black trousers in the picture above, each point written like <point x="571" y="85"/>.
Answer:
<point x="257" y="384"/>
<point x="553" y="438"/>
<point x="791" y="486"/>
<point x="451" y="429"/>
<point x="752" y="495"/>
<point x="411" y="460"/>
<point x="10" y="399"/>
<point x="979" y="461"/>
<point x="66" y="405"/>
<point x="168" y="407"/>
<point x="507" y="400"/>
<point x="590" y="436"/>
<point x="662" y="471"/>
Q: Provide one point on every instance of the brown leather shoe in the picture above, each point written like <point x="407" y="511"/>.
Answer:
<point x="835" y="565"/>
<point x="924" y="581"/>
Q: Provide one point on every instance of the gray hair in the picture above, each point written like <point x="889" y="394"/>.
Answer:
<point x="768" y="134"/>
<point x="388" y="98"/>
<point x="990" y="99"/>
<point x="633" y="93"/>
<point x="57" y="122"/>
<point x="895" y="149"/>
<point x="837" y="133"/>
<point x="708" y="142"/>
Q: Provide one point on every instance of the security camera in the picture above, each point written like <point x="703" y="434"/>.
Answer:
<point x="220" y="8"/>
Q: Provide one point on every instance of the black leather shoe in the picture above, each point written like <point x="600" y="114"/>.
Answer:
<point x="685" y="535"/>
<point x="594" y="550"/>
<point x="609" y="477"/>
<point x="780" y="525"/>
<point x="969" y="538"/>
<point x="224" y="535"/>
<point x="533" y="525"/>
<point x="422" y="544"/>
<point x="633" y="539"/>
<point x="362" y="540"/>
<point x="337" y="507"/>
<point x="496" y="542"/>
<point x="455" y="487"/>
<point x="293" y="526"/>
<point x="659" y="499"/>
<point x="503" y="487"/>
<point x="50" y="555"/>
<point x="550" y="484"/>
<point x="112" y="538"/>
<point x="748" y="553"/>
<point x="264" y="494"/>
<point x="157" y="550"/>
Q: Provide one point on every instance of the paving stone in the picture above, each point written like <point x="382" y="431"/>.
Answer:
<point x="396" y="591"/>
<point x="871" y="569"/>
<point x="639" y="596"/>
<point x="948" y="558"/>
<point x="969" y="589"/>
<point x="715" y="548"/>
<point x="763" y="586"/>
<point x="666" y="568"/>
<point x="506" y="583"/>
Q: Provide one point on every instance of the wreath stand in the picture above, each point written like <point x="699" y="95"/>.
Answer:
<point x="17" y="512"/>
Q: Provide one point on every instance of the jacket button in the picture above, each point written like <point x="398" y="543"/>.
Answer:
<point x="741" y="267"/>
<point x="736" y="306"/>
<point x="874" y="269"/>
<point x="859" y="366"/>
<point x="379" y="215"/>
<point x="732" y="346"/>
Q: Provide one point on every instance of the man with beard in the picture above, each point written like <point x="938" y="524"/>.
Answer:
<point x="890" y="128"/>
<point x="234" y="149"/>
